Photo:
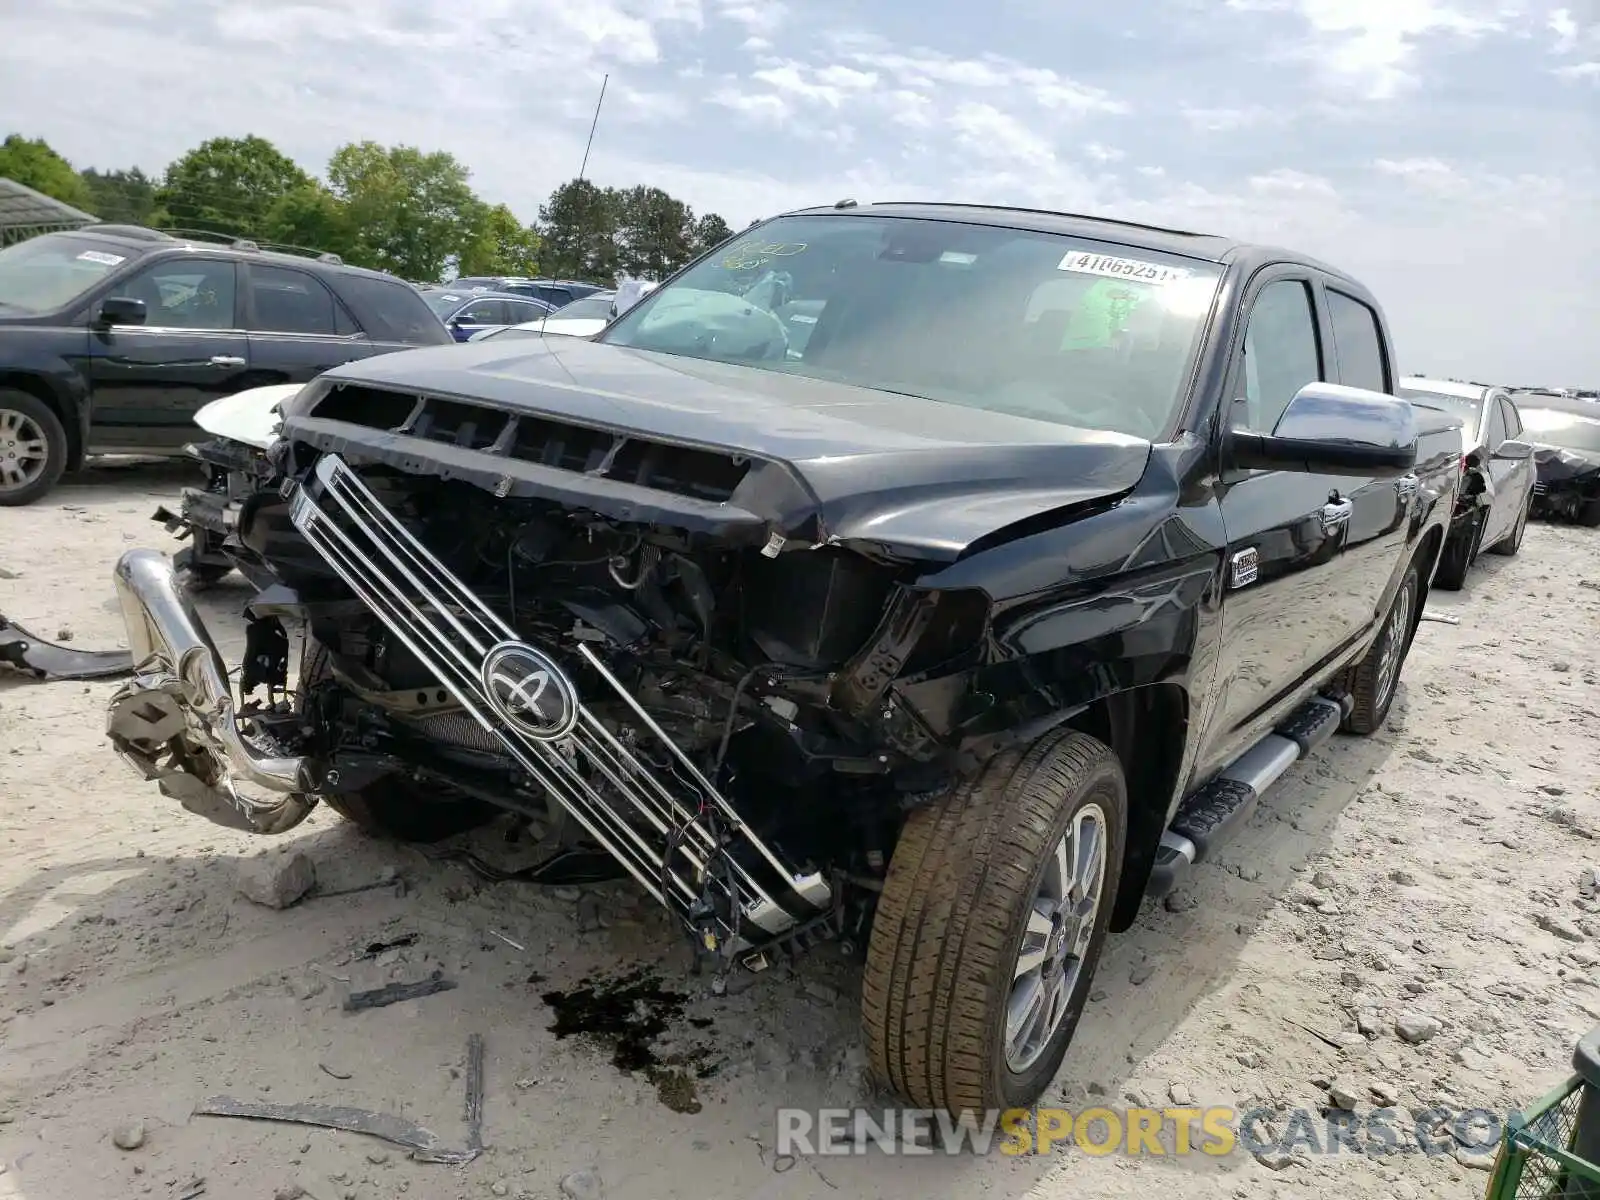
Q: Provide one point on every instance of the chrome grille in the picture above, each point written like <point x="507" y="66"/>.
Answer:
<point x="646" y="818"/>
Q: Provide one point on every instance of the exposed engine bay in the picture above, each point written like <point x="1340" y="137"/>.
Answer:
<point x="741" y="731"/>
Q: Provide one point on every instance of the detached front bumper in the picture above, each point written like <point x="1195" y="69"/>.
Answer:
<point x="175" y="721"/>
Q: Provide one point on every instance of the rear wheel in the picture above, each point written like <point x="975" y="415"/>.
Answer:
<point x="390" y="807"/>
<point x="1460" y="549"/>
<point x="990" y="924"/>
<point x="1375" y="679"/>
<point x="33" y="448"/>
<point x="1589" y="514"/>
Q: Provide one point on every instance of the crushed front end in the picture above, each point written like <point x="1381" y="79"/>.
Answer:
<point x="740" y="729"/>
<point x="1568" y="485"/>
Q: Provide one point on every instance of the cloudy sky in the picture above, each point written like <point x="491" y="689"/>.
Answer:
<point x="1445" y="151"/>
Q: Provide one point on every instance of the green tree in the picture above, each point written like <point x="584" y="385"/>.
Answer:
<point x="655" y="232"/>
<point x="121" y="197"/>
<point x="227" y="185"/>
<point x="407" y="212"/>
<point x="500" y="245"/>
<point x="579" y="226"/>
<point x="710" y="230"/>
<point x="34" y="164"/>
<point x="312" y="217"/>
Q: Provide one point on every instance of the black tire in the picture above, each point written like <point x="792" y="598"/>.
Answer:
<point x="394" y="808"/>
<point x="1372" y="689"/>
<point x="27" y="418"/>
<point x="952" y="916"/>
<point x="1512" y="542"/>
<point x="1460" y="550"/>
<point x="1589" y="514"/>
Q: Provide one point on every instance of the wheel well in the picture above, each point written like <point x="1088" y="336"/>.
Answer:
<point x="1427" y="559"/>
<point x="1146" y="727"/>
<point x="42" y="391"/>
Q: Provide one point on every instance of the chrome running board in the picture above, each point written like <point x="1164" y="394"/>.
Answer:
<point x="651" y="822"/>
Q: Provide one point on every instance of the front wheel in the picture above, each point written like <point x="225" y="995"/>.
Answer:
<point x="1512" y="542"/>
<point x="990" y="925"/>
<point x="391" y="807"/>
<point x="1460" y="549"/>
<point x="1374" y="680"/>
<point x="1589" y="514"/>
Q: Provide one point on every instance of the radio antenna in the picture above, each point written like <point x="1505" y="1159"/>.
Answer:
<point x="592" y="124"/>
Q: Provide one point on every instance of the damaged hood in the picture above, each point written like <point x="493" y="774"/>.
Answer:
<point x="831" y="462"/>
<point x="250" y="417"/>
<point x="1556" y="464"/>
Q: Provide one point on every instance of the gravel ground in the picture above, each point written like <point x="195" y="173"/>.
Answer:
<point x="1430" y="879"/>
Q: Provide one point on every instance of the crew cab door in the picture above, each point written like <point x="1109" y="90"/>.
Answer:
<point x="147" y="381"/>
<point x="1284" y="609"/>
<point x="1379" y="508"/>
<point x="298" y="328"/>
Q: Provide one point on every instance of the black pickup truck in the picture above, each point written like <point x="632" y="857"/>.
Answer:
<point x="113" y="337"/>
<point x="949" y="637"/>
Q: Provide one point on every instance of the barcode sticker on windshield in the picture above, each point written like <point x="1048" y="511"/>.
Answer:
<point x="1084" y="262"/>
<point x="98" y="256"/>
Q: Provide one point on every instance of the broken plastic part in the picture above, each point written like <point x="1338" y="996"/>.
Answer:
<point x="47" y="660"/>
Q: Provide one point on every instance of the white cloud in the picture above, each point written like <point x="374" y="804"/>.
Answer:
<point x="763" y="17"/>
<point x="747" y="108"/>
<point x="1368" y="48"/>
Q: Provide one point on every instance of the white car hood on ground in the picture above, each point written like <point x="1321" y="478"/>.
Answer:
<point x="250" y="416"/>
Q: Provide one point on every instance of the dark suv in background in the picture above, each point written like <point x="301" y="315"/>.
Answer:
<point x="113" y="336"/>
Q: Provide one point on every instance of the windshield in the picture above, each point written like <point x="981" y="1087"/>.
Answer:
<point x="1570" y="431"/>
<point x="45" y="273"/>
<point x="587" y="309"/>
<point x="445" y="303"/>
<point x="1084" y="333"/>
<point x="1467" y="410"/>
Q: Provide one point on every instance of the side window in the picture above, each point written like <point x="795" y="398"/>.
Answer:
<point x="185" y="294"/>
<point x="1358" y="343"/>
<point x="483" y="312"/>
<point x="1281" y="355"/>
<point x="556" y="296"/>
<point x="343" y="323"/>
<point x="518" y="311"/>
<point x="389" y="311"/>
<point x="1513" y="422"/>
<point x="289" y="301"/>
<point x="1497" y="426"/>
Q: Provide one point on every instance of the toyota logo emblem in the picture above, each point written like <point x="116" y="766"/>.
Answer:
<point x="530" y="692"/>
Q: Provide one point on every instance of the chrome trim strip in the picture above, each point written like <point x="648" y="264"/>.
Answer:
<point x="631" y="810"/>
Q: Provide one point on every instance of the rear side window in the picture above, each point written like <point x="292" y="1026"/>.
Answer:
<point x="290" y="302"/>
<point x="1358" y="343"/>
<point x="391" y="311"/>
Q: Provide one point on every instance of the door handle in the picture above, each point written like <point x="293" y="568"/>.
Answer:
<point x="226" y="360"/>
<point x="1336" y="515"/>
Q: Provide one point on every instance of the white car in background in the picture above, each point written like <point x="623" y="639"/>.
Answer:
<point x="581" y="318"/>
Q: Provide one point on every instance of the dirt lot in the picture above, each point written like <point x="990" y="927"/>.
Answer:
<point x="1434" y="871"/>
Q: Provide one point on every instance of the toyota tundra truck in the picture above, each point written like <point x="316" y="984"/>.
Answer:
<point x="950" y="631"/>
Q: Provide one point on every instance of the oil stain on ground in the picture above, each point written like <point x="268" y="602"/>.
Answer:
<point x="629" y="1013"/>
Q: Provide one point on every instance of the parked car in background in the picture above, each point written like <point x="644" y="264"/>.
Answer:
<point x="466" y="313"/>
<point x="1565" y="433"/>
<point x="1497" y="472"/>
<point x="112" y="337"/>
<point x="554" y="292"/>
<point x="581" y="318"/>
